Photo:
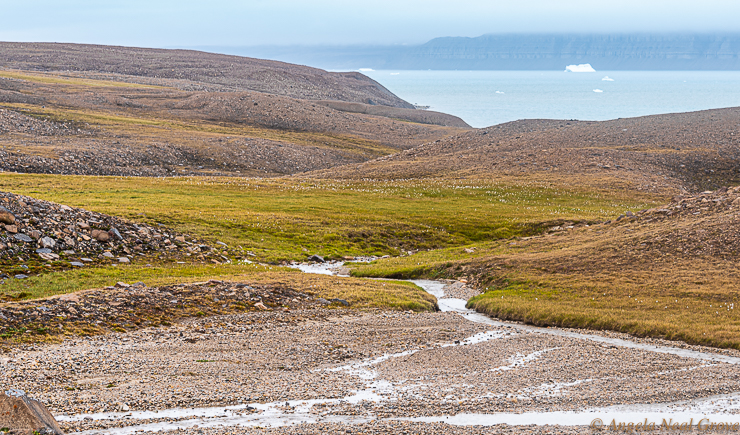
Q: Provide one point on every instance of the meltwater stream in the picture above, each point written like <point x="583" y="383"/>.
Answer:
<point x="725" y="408"/>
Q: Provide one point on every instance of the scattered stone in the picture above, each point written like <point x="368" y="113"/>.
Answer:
<point x="100" y="236"/>
<point x="323" y="301"/>
<point x="22" y="237"/>
<point x="316" y="259"/>
<point x="123" y="260"/>
<point x="43" y="251"/>
<point x="114" y="233"/>
<point x="341" y="301"/>
<point x="6" y="216"/>
<point x="49" y="257"/>
<point x="11" y="229"/>
<point x="20" y="276"/>
<point x="48" y="242"/>
<point x="76" y="264"/>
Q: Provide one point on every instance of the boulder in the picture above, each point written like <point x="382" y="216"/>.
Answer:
<point x="100" y="236"/>
<point x="23" y="415"/>
<point x="316" y="258"/>
<point x="6" y="216"/>
<point x="115" y="233"/>
<point x="47" y="242"/>
<point x="22" y="237"/>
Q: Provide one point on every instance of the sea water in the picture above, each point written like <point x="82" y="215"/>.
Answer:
<point x="484" y="98"/>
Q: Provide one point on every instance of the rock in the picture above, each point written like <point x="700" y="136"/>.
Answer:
<point x="341" y="301"/>
<point x="70" y="297"/>
<point x="469" y="250"/>
<point x="6" y="217"/>
<point x="21" y="414"/>
<point x="22" y="237"/>
<point x="114" y="233"/>
<point x="83" y="226"/>
<point x="100" y="236"/>
<point x="124" y="260"/>
<point x="262" y="306"/>
<point x="87" y="260"/>
<point x="43" y="251"/>
<point x="35" y="234"/>
<point x="48" y="242"/>
<point x="20" y="276"/>
<point x="76" y="264"/>
<point x="11" y="229"/>
<point x="180" y="239"/>
<point x="316" y="258"/>
<point x="69" y="241"/>
<point x="323" y="301"/>
<point x="120" y="284"/>
<point x="107" y="254"/>
<point x="49" y="257"/>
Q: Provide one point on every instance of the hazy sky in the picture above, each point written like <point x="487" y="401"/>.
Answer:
<point x="170" y="23"/>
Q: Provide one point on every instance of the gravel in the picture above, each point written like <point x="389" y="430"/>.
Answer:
<point x="414" y="364"/>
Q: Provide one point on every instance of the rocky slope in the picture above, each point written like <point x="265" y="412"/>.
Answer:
<point x="211" y="71"/>
<point x="76" y="125"/>
<point x="37" y="235"/>
<point x="692" y="151"/>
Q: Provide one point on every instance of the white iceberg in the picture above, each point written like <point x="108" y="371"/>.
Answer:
<point x="584" y="67"/>
<point x="598" y="91"/>
<point x="395" y="74"/>
<point x="366" y="69"/>
<point x="607" y="79"/>
<point x="499" y="92"/>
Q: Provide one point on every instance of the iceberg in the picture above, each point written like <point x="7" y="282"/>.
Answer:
<point x="366" y="69"/>
<point x="395" y="74"/>
<point x="499" y="92"/>
<point x="584" y="67"/>
<point x="607" y="79"/>
<point x="598" y="91"/>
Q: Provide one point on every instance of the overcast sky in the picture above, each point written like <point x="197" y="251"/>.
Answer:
<point x="153" y="23"/>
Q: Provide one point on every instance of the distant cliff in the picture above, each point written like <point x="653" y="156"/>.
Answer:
<point x="527" y="52"/>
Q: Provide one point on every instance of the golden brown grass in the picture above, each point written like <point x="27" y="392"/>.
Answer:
<point x="60" y="79"/>
<point x="600" y="277"/>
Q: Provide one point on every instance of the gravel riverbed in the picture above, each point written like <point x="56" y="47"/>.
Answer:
<point x="349" y="371"/>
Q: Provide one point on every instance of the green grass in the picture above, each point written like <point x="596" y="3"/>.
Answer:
<point x="289" y="218"/>
<point x="359" y="293"/>
<point x="69" y="281"/>
<point x="60" y="80"/>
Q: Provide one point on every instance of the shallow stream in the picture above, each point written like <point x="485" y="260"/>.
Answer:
<point x="724" y="408"/>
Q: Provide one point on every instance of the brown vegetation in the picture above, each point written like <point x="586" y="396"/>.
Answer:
<point x="669" y="154"/>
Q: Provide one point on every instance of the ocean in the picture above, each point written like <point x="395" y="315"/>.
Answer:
<point x="484" y="98"/>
